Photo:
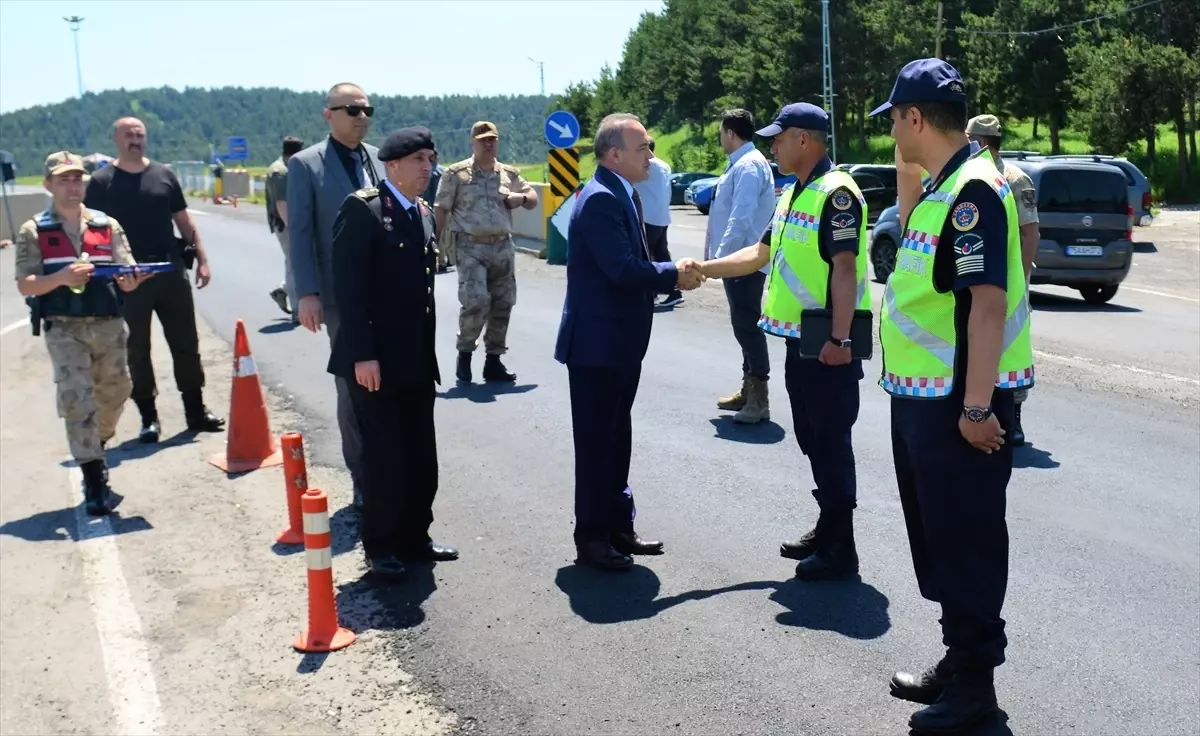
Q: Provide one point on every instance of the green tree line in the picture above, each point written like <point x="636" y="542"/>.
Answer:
<point x="181" y="125"/>
<point x="1123" y="73"/>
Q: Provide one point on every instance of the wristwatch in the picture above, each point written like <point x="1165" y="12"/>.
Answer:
<point x="840" y="343"/>
<point x="977" y="414"/>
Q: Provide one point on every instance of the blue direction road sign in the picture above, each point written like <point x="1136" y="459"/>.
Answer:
<point x="562" y="129"/>
<point x="238" y="150"/>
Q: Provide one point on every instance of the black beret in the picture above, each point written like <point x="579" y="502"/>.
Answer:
<point x="404" y="142"/>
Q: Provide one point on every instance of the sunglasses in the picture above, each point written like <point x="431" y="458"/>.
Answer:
<point x="355" y="110"/>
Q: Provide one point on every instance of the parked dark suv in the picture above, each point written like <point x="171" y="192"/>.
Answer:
<point x="1086" y="225"/>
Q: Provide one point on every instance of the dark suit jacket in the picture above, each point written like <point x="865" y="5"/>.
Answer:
<point x="383" y="271"/>
<point x="611" y="281"/>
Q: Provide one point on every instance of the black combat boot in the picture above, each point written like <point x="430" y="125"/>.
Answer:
<point x="463" y="371"/>
<point x="151" y="429"/>
<point x="806" y="545"/>
<point x="969" y="698"/>
<point x="494" y="370"/>
<point x="924" y="688"/>
<point x="836" y="556"/>
<point x="199" y="418"/>
<point x="95" y="487"/>
<point x="1018" y="433"/>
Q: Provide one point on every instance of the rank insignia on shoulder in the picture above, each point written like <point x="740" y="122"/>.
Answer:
<point x="367" y="193"/>
<point x="965" y="216"/>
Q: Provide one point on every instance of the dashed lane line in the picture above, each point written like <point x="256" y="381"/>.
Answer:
<point x="14" y="326"/>
<point x="131" y="687"/>
<point x="1076" y="360"/>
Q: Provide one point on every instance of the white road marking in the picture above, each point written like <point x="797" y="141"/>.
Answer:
<point x="1075" y="360"/>
<point x="198" y="212"/>
<point x="14" y="326"/>
<point x="1162" y="293"/>
<point x="131" y="687"/>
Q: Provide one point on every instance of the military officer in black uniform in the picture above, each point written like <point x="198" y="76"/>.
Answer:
<point x="384" y="259"/>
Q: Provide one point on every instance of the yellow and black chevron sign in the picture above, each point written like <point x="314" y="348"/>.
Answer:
<point x="562" y="168"/>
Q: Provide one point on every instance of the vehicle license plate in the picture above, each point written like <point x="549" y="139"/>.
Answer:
<point x="1085" y="250"/>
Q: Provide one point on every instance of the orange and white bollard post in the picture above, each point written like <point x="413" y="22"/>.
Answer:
<point x="295" y="476"/>
<point x="323" y="633"/>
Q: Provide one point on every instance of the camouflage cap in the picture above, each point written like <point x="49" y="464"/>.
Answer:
<point x="484" y="129"/>
<point x="986" y="125"/>
<point x="62" y="162"/>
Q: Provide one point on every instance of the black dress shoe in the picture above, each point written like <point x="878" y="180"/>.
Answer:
<point x="431" y="552"/>
<point x="964" y="703"/>
<point x="806" y="545"/>
<point x="150" y="431"/>
<point x="632" y="544"/>
<point x="199" y="418"/>
<point x="387" y="568"/>
<point x="602" y="556"/>
<point x="836" y="557"/>
<point x="494" y="370"/>
<point x="924" y="688"/>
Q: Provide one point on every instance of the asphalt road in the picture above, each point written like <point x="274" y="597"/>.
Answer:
<point x="713" y="637"/>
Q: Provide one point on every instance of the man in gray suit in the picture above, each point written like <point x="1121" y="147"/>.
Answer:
<point x="319" y="178"/>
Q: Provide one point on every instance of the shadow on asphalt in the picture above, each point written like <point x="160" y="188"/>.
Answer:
<point x="1055" y="303"/>
<point x="284" y="324"/>
<point x="851" y="608"/>
<point x="1029" y="456"/>
<point x="1145" y="248"/>
<point x="134" y="449"/>
<point x="763" y="433"/>
<point x="997" y="725"/>
<point x="484" y="393"/>
<point x="343" y="533"/>
<point x="59" y="526"/>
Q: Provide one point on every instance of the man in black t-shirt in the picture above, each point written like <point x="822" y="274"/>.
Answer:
<point x="146" y="198"/>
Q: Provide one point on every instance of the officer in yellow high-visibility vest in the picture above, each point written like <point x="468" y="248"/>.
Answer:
<point x="954" y="331"/>
<point x="817" y="248"/>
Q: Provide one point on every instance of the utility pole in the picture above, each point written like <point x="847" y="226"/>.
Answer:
<point x="827" y="78"/>
<point x="74" y="22"/>
<point x="937" y="49"/>
<point x="541" y="72"/>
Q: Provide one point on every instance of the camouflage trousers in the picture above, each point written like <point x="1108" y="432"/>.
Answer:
<point x="487" y="291"/>
<point x="446" y="251"/>
<point x="1020" y="395"/>
<point x="91" y="379"/>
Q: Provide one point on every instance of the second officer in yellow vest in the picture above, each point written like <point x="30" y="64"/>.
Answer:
<point x="817" y="247"/>
<point x="954" y="331"/>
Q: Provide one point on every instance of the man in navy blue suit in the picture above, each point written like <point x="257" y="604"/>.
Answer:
<point x="605" y="330"/>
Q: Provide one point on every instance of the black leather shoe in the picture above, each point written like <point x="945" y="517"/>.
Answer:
<point x="199" y="418"/>
<point x="924" y="688"/>
<point x="95" y="488"/>
<point x="602" y="556"/>
<point x="150" y="431"/>
<point x="632" y="544"/>
<point x="1018" y="432"/>
<point x="431" y="552"/>
<point x="806" y="545"/>
<point x="964" y="703"/>
<point x="494" y="370"/>
<point x="836" y="557"/>
<point x="387" y="568"/>
<point x="463" y="370"/>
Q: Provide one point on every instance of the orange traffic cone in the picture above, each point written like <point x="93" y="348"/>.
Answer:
<point x="323" y="633"/>
<point x="295" y="476"/>
<point x="249" y="443"/>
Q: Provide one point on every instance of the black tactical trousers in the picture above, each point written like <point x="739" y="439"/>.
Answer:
<point x="169" y="295"/>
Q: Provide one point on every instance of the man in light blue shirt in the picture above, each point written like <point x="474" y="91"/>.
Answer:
<point x="742" y="206"/>
<point x="655" y="193"/>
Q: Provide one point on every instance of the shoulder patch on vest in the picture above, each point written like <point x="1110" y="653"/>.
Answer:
<point x="45" y="221"/>
<point x="965" y="216"/>
<point x="367" y="193"/>
<point x="842" y="199"/>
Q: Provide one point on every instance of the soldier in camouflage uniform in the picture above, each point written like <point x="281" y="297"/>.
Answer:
<point x="285" y="293"/>
<point x="985" y="130"/>
<point x="85" y="334"/>
<point x="474" y="206"/>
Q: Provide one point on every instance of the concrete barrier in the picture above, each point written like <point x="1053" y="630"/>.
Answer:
<point x="24" y="205"/>
<point x="532" y="223"/>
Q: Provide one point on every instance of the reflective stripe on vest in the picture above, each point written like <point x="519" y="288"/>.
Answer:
<point x="799" y="275"/>
<point x="916" y="327"/>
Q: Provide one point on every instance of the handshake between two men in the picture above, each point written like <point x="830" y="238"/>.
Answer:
<point x="691" y="274"/>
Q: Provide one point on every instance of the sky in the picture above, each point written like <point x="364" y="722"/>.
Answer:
<point x="407" y="47"/>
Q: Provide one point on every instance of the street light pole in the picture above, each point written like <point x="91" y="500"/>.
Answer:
<point x="827" y="78"/>
<point x="541" y="72"/>
<point x="74" y="22"/>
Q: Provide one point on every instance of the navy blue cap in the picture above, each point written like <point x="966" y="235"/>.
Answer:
<point x="798" y="115"/>
<point x="925" y="80"/>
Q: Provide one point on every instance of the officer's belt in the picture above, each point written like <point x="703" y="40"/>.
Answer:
<point x="489" y="239"/>
<point x="77" y="318"/>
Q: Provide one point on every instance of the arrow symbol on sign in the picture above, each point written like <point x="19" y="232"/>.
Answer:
<point x="564" y="131"/>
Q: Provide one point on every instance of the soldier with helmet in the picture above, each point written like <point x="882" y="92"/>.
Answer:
<point x="474" y="205"/>
<point x="57" y="253"/>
